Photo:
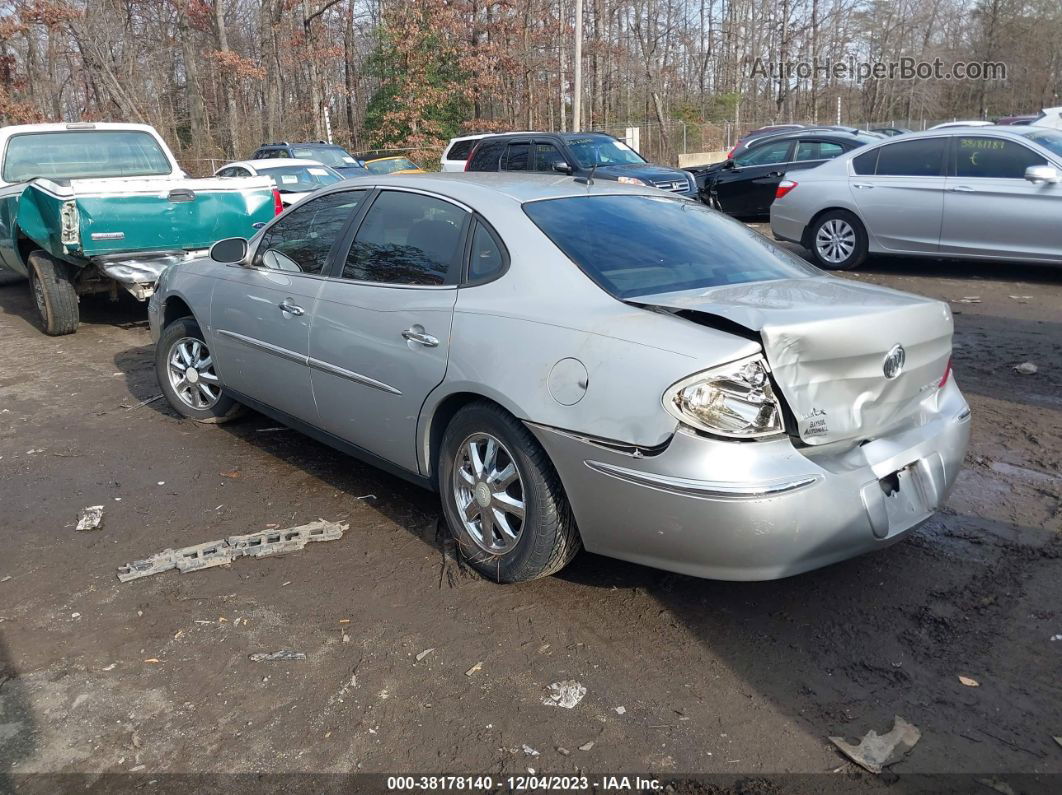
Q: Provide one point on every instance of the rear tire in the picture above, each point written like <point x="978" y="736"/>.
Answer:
<point x="838" y="241"/>
<point x="516" y="525"/>
<point x="186" y="374"/>
<point x="52" y="285"/>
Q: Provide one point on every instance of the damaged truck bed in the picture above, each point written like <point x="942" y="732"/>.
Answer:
<point x="94" y="208"/>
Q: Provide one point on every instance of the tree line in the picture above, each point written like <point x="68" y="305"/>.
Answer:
<point x="219" y="77"/>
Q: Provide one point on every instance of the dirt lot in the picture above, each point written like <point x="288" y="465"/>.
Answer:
<point x="747" y="679"/>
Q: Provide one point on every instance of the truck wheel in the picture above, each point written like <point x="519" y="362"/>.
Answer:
<point x="52" y="283"/>
<point x="186" y="373"/>
<point x="502" y="497"/>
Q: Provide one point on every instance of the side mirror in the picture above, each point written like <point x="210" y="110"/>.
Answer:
<point x="563" y="168"/>
<point x="1042" y="175"/>
<point x="728" y="163"/>
<point x="229" y="250"/>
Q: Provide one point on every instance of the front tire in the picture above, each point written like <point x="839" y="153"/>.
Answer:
<point x="502" y="498"/>
<point x="52" y="284"/>
<point x="185" y="369"/>
<point x="838" y="241"/>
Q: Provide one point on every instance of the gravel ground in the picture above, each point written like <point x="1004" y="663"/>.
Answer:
<point x="682" y="675"/>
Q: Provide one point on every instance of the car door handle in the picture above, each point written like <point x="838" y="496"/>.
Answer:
<point x="290" y="308"/>
<point x="419" y="337"/>
<point x="962" y="189"/>
<point x="862" y="186"/>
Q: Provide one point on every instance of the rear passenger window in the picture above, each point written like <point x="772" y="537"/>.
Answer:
<point x="407" y="238"/>
<point x="486" y="258"/>
<point x="866" y="163"/>
<point x="300" y="241"/>
<point x="994" y="158"/>
<point x="460" y="150"/>
<point x="921" y="158"/>
<point x="518" y="157"/>
<point x="487" y="156"/>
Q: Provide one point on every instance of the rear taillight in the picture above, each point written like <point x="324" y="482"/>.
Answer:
<point x="783" y="188"/>
<point x="278" y="205"/>
<point x="947" y="375"/>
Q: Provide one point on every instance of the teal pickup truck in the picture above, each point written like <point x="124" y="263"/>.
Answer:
<point x="94" y="208"/>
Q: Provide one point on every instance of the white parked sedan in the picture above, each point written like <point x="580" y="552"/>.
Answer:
<point x="295" y="179"/>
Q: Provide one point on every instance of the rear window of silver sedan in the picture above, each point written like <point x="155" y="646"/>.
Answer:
<point x="641" y="245"/>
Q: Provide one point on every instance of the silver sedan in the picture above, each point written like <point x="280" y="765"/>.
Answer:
<point x="579" y="365"/>
<point x="989" y="193"/>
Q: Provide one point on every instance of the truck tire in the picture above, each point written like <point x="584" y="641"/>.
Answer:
<point x="52" y="284"/>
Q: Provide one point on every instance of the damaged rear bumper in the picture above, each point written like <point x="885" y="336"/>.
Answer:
<point x="760" y="510"/>
<point x="139" y="271"/>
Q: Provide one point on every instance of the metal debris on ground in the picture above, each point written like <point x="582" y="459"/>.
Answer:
<point x="527" y="749"/>
<point x="586" y="746"/>
<point x="90" y="518"/>
<point x="876" y="751"/>
<point x="968" y="299"/>
<point x="283" y="655"/>
<point x="969" y="682"/>
<point x="474" y="668"/>
<point x="621" y="710"/>
<point x="218" y="553"/>
<point x="1026" y="368"/>
<point x="143" y="402"/>
<point x="424" y="654"/>
<point x="1021" y="299"/>
<point x="566" y="694"/>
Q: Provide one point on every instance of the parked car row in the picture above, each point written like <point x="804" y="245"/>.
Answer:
<point x="975" y="192"/>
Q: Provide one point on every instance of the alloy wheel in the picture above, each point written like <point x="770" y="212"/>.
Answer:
<point x="191" y="372"/>
<point x="488" y="493"/>
<point x="835" y="241"/>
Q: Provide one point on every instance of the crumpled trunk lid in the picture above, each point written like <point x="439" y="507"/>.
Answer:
<point x="826" y="340"/>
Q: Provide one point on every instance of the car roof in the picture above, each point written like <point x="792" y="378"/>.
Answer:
<point x="311" y="144"/>
<point x="273" y="162"/>
<point x="477" y="136"/>
<point x="485" y="187"/>
<point x="564" y="136"/>
<point x="826" y="133"/>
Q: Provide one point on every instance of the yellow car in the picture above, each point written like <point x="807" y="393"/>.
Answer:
<point x="392" y="165"/>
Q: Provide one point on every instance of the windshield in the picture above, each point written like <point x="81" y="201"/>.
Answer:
<point x="390" y="165"/>
<point x="299" y="179"/>
<point x="1051" y="140"/>
<point x="642" y="245"/>
<point x="329" y="155"/>
<point x="601" y="150"/>
<point x="72" y="154"/>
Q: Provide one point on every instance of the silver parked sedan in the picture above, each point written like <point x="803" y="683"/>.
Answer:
<point x="990" y="193"/>
<point x="571" y="365"/>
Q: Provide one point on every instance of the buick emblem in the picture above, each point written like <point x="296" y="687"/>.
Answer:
<point x="894" y="360"/>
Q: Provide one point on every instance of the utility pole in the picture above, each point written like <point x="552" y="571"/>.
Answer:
<point x="577" y="100"/>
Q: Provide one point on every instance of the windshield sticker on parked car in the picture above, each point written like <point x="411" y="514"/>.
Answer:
<point x="980" y="143"/>
<point x="349" y="159"/>
<point x="318" y="172"/>
<point x="289" y="179"/>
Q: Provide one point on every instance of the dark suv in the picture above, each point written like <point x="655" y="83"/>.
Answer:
<point x="330" y="155"/>
<point x="577" y="154"/>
